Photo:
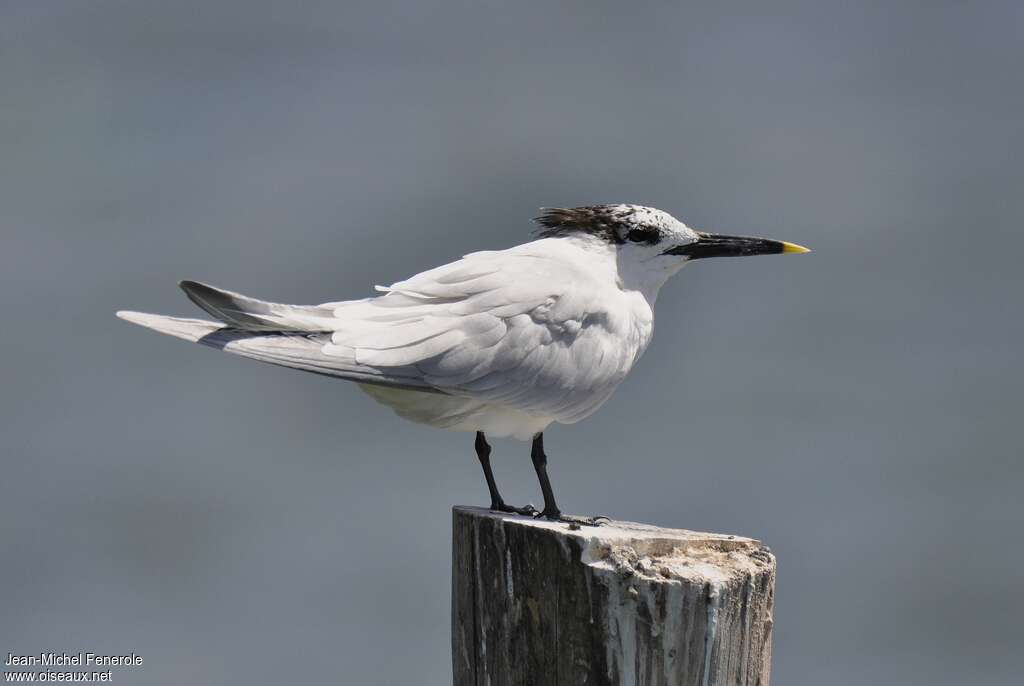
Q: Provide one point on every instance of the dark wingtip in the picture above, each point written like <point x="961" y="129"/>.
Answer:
<point x="202" y="295"/>
<point x="194" y="289"/>
<point x="188" y="284"/>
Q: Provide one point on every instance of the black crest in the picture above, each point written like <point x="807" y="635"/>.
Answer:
<point x="604" y="221"/>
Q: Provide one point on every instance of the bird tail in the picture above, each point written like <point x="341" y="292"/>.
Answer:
<point x="250" y="314"/>
<point x="297" y="350"/>
<point x="193" y="330"/>
<point x="287" y="335"/>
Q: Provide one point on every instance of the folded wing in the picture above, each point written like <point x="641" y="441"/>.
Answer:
<point x="506" y="327"/>
<point x="519" y="328"/>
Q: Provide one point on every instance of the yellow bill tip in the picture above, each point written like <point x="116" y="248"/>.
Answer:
<point x="793" y="248"/>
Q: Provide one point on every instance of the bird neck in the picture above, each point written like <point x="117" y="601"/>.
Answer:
<point x="645" y="277"/>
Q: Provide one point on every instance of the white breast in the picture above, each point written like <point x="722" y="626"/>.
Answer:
<point x="459" y="413"/>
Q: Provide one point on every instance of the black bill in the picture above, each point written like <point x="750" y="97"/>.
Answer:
<point x="719" y="245"/>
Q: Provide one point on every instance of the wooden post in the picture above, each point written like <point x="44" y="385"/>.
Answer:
<point x="536" y="602"/>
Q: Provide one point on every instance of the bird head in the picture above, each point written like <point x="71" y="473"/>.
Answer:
<point x="644" y="235"/>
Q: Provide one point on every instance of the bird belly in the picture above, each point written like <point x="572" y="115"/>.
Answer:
<point x="459" y="413"/>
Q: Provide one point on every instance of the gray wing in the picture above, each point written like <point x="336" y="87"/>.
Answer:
<point x="520" y="328"/>
<point x="251" y="314"/>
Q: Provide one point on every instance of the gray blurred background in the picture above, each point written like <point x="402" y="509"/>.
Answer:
<point x="858" y="409"/>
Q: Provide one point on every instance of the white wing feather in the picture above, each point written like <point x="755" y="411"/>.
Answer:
<point x="511" y="339"/>
<point x="514" y="328"/>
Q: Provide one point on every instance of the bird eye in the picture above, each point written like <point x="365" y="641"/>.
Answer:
<point x="642" y="236"/>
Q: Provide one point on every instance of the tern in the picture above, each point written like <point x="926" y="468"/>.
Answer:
<point x="500" y="343"/>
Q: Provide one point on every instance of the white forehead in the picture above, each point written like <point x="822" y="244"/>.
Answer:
<point x="648" y="216"/>
<point x="652" y="217"/>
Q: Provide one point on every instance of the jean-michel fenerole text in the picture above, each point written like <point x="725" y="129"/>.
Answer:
<point x="78" y="659"/>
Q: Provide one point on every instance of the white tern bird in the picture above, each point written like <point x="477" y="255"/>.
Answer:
<point x="501" y="342"/>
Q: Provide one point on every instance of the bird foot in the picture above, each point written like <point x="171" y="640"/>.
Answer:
<point x="573" y="521"/>
<point x="526" y="510"/>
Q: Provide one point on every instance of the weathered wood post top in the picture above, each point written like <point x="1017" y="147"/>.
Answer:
<point x="536" y="602"/>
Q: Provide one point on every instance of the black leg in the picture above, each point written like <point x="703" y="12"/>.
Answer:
<point x="540" y="464"/>
<point x="483" y="452"/>
<point x="551" y="511"/>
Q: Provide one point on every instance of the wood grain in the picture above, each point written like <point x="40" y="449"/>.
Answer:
<point x="536" y="603"/>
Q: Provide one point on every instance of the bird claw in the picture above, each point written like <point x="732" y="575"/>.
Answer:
<point x="527" y="510"/>
<point x="574" y="522"/>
